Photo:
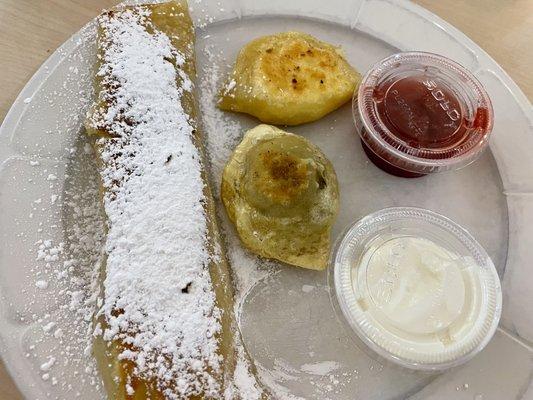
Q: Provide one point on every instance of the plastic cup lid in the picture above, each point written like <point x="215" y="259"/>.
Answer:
<point x="416" y="288"/>
<point x="423" y="112"/>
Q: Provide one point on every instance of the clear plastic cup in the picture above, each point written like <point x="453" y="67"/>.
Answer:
<point x="432" y="317"/>
<point x="419" y="113"/>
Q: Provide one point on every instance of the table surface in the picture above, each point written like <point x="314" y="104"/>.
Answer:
<point x="31" y="30"/>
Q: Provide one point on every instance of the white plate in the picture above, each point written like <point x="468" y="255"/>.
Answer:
<point x="288" y="323"/>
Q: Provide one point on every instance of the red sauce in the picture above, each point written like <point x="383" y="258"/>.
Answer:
<point x="421" y="112"/>
<point x="424" y="114"/>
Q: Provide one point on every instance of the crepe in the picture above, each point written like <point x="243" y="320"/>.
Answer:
<point x="165" y="329"/>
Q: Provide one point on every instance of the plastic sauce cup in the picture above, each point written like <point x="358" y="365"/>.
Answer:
<point x="419" y="113"/>
<point x="416" y="288"/>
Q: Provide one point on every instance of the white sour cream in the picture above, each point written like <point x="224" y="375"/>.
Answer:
<point x="416" y="284"/>
<point x="416" y="288"/>
<point x="419" y="299"/>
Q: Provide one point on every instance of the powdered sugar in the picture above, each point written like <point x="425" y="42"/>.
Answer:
<point x="321" y="368"/>
<point x="48" y="364"/>
<point x="41" y="284"/>
<point x="158" y="295"/>
<point x="64" y="275"/>
<point x="223" y="133"/>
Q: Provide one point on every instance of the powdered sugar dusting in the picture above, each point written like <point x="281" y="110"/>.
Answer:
<point x="223" y="133"/>
<point x="321" y="368"/>
<point x="158" y="293"/>
<point x="65" y="275"/>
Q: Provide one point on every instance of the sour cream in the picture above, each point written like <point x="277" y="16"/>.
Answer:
<point x="416" y="285"/>
<point x="420" y="293"/>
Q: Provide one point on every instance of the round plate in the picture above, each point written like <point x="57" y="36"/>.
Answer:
<point x="51" y="228"/>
